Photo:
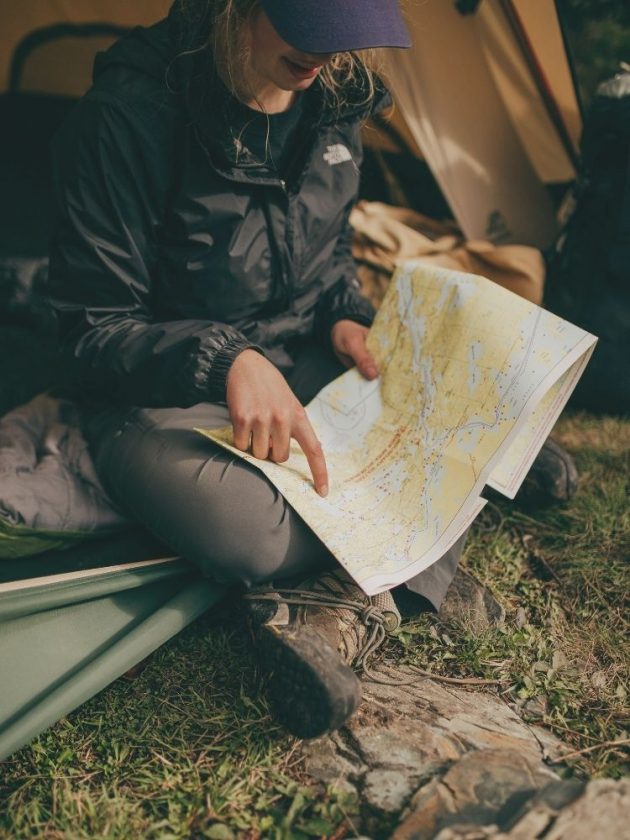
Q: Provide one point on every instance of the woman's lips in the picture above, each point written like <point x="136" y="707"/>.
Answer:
<point x="300" y="71"/>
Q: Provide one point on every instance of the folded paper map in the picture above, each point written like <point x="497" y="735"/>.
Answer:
<point x="472" y="378"/>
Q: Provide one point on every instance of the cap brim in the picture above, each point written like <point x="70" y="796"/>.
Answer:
<point x="331" y="26"/>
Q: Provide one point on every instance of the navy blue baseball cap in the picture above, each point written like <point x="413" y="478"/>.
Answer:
<point x="332" y="26"/>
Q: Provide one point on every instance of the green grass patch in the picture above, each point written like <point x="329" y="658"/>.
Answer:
<point x="562" y="576"/>
<point x="186" y="750"/>
<point x="189" y="749"/>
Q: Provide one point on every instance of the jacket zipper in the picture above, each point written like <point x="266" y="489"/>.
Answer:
<point x="279" y="250"/>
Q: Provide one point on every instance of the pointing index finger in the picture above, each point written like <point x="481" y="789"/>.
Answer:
<point x="312" y="448"/>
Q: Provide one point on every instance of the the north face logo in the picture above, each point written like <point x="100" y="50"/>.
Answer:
<point x="336" y="154"/>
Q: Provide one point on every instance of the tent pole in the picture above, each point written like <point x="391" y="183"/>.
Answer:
<point x="569" y="54"/>
<point x="39" y="37"/>
<point x="538" y="74"/>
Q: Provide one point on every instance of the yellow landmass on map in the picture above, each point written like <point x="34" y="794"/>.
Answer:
<point x="463" y="365"/>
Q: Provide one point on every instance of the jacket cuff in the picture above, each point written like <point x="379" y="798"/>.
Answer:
<point x="214" y="363"/>
<point x="344" y="302"/>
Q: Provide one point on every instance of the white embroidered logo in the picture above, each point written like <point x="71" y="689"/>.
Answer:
<point x="336" y="154"/>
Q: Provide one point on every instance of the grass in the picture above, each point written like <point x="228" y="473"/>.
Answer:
<point x="188" y="749"/>
<point x="182" y="751"/>
<point x="562" y="576"/>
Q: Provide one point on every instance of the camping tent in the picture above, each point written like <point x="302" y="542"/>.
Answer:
<point x="485" y="96"/>
<point x="73" y="621"/>
<point x="496" y="117"/>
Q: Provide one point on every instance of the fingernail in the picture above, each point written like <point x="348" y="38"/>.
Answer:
<point x="323" y="490"/>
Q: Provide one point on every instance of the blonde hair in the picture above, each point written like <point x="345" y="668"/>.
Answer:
<point x="224" y="21"/>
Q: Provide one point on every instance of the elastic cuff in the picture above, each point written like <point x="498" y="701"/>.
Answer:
<point x="222" y="363"/>
<point x="358" y="317"/>
<point x="363" y="315"/>
<point x="351" y="305"/>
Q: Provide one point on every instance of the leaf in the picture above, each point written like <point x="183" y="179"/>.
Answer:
<point x="219" y="831"/>
<point x="528" y="683"/>
<point x="559" y="660"/>
<point x="317" y="827"/>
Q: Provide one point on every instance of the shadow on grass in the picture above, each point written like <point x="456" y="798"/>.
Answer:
<point x="189" y="749"/>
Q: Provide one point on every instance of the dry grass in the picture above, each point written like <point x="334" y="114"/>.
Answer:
<point x="189" y="748"/>
<point x="562" y="576"/>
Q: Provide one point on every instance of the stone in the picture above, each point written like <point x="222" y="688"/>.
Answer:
<point x="466" y="832"/>
<point x="561" y="810"/>
<point x="327" y="761"/>
<point x="538" y="812"/>
<point x="473" y="792"/>
<point x="603" y="810"/>
<point x="387" y="789"/>
<point x="404" y="736"/>
<point x="429" y="760"/>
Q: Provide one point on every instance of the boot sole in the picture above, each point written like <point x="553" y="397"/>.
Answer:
<point x="311" y="690"/>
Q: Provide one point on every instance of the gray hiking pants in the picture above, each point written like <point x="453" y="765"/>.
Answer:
<point x="213" y="508"/>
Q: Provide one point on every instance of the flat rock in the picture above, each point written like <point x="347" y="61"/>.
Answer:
<point x="474" y="792"/>
<point x="405" y="738"/>
<point x="563" y="810"/>
<point x="433" y="761"/>
<point x="603" y="810"/>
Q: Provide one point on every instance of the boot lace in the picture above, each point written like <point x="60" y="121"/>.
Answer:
<point x="370" y="615"/>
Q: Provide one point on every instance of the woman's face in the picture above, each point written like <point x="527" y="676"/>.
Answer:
<point x="276" y="63"/>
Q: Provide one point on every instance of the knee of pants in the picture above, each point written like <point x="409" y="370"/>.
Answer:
<point x="215" y="510"/>
<point x="232" y="562"/>
<point x="264" y="549"/>
<point x="249" y="546"/>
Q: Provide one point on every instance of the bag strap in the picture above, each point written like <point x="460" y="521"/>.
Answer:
<point x="624" y="217"/>
<point x="619" y="261"/>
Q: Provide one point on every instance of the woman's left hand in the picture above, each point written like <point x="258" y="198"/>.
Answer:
<point x="348" y="341"/>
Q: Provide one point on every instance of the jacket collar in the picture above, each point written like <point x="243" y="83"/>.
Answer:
<point x="205" y="101"/>
<point x="206" y="104"/>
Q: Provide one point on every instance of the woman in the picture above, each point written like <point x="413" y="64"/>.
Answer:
<point x="202" y="274"/>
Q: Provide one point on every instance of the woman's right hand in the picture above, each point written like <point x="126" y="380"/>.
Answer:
<point x="266" y="414"/>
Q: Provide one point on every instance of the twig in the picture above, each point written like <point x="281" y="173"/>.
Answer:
<point x="555" y="725"/>
<point x="480" y="525"/>
<point x="373" y="676"/>
<point x="456" y="680"/>
<point x="342" y="830"/>
<point x="622" y="743"/>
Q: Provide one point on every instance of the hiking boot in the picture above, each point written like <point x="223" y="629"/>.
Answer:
<point x="553" y="477"/>
<point x="470" y="605"/>
<point x="309" y="638"/>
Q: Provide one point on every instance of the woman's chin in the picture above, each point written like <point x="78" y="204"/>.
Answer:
<point x="295" y="77"/>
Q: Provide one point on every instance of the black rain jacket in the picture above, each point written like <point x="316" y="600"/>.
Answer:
<point x="168" y="259"/>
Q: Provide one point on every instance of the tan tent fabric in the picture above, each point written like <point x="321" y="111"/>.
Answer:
<point x="465" y="98"/>
<point x="448" y="97"/>
<point x="375" y="138"/>
<point x="385" y="235"/>
<point x="540" y="20"/>
<point x="519" y="91"/>
<point x="72" y="59"/>
<point x="68" y="73"/>
<point x="518" y="88"/>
